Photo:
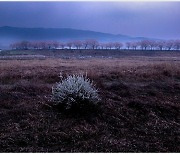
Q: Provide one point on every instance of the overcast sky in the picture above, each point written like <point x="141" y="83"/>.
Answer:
<point x="148" y="19"/>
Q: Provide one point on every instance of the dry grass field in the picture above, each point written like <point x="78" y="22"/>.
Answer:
<point x="138" y="112"/>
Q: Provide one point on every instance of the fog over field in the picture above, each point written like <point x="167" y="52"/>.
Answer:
<point x="104" y="21"/>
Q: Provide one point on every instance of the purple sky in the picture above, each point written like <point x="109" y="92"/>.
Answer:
<point x="148" y="19"/>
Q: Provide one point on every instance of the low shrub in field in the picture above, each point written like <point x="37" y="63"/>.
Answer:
<point x="75" y="92"/>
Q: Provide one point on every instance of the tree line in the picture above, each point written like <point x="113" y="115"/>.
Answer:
<point x="94" y="44"/>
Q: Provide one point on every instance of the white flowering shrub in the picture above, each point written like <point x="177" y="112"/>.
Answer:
<point x="75" y="91"/>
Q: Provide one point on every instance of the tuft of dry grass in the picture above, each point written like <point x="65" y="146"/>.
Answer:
<point x="139" y="111"/>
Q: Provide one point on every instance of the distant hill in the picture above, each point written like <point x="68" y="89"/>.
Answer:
<point x="12" y="34"/>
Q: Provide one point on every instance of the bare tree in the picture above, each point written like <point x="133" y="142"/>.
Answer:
<point x="152" y="44"/>
<point x="24" y="45"/>
<point x="128" y="45"/>
<point x="97" y="45"/>
<point x="106" y="45"/>
<point x="102" y="45"/>
<point x="176" y="45"/>
<point x="110" y="45"/>
<point x="14" y="45"/>
<point x="42" y="45"/>
<point x="169" y="44"/>
<point x="61" y="45"/>
<point x="69" y="44"/>
<point x="134" y="45"/>
<point x="118" y="45"/>
<point x="144" y="44"/>
<point x="48" y="44"/>
<point x="93" y="44"/>
<point x="86" y="43"/>
<point x="55" y="44"/>
<point x="161" y="45"/>
<point x="34" y="45"/>
<point x="77" y="44"/>
<point x="39" y="45"/>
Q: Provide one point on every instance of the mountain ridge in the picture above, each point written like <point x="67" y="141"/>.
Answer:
<point x="10" y="34"/>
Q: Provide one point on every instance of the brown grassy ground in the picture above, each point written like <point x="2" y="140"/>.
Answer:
<point x="139" y="111"/>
